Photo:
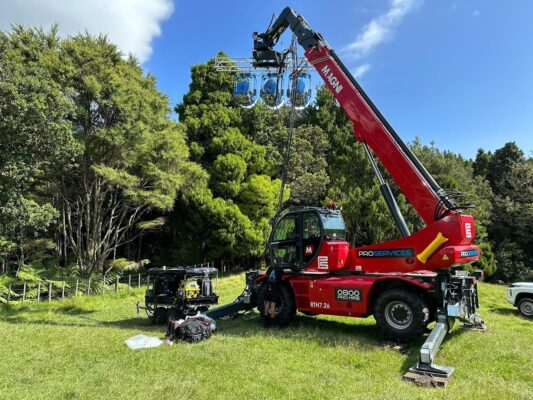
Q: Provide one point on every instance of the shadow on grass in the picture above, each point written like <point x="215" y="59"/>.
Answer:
<point x="504" y="311"/>
<point x="327" y="333"/>
<point x="414" y="347"/>
<point x="333" y="333"/>
<point x="16" y="313"/>
<point x="52" y="316"/>
<point x="87" y="322"/>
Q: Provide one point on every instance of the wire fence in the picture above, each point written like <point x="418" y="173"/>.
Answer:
<point x="49" y="290"/>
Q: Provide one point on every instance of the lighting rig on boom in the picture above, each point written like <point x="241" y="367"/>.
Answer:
<point x="272" y="90"/>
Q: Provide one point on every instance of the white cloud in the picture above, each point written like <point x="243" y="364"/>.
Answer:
<point x="131" y="24"/>
<point x="380" y="28"/>
<point x="361" y="70"/>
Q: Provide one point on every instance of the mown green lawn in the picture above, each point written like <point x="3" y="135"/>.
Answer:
<point x="75" y="350"/>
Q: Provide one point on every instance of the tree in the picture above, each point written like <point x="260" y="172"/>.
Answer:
<point x="501" y="164"/>
<point x="481" y="163"/>
<point x="34" y="135"/>
<point x="510" y="174"/>
<point x="512" y="222"/>
<point x="353" y="184"/>
<point x="132" y="159"/>
<point x="227" y="219"/>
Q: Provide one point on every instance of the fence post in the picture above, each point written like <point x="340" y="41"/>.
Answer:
<point x="63" y="291"/>
<point x="9" y="294"/>
<point x="148" y="280"/>
<point x="76" y="292"/>
<point x="129" y="282"/>
<point x="139" y="282"/>
<point x="39" y="292"/>
<point x="24" y="292"/>
<point x="49" y="291"/>
<point x="116" y="284"/>
<point x="89" y="287"/>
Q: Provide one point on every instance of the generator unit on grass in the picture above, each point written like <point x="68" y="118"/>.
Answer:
<point x="175" y="293"/>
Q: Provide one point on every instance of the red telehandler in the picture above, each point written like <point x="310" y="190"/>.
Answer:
<point x="405" y="283"/>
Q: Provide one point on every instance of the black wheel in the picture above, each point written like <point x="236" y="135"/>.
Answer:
<point x="160" y="316"/>
<point x="525" y="307"/>
<point x="401" y="314"/>
<point x="285" y="304"/>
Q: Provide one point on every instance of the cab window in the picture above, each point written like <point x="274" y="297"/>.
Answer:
<point x="285" y="229"/>
<point x="284" y="246"/>
<point x="333" y="226"/>
<point x="311" y="225"/>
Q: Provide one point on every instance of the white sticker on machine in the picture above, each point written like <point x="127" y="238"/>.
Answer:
<point x="468" y="230"/>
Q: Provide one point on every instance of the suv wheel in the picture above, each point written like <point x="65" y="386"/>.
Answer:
<point x="525" y="307"/>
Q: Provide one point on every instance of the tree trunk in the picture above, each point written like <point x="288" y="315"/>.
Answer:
<point x="98" y="221"/>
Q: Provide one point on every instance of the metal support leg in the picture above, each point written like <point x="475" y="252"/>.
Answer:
<point x="425" y="371"/>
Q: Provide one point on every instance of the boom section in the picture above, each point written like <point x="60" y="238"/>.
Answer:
<point x="371" y="129"/>
<point x="369" y="124"/>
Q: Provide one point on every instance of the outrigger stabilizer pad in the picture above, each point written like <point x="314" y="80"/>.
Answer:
<point x="476" y="324"/>
<point x="425" y="372"/>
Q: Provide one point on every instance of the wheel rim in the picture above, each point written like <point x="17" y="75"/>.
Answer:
<point x="398" y="314"/>
<point x="526" y="307"/>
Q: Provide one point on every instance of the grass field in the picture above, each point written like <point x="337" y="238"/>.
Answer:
<point x="75" y="350"/>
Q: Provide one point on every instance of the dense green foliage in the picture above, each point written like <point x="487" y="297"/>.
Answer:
<point x="75" y="350"/>
<point x="88" y="148"/>
<point x="93" y="169"/>
<point x="510" y="175"/>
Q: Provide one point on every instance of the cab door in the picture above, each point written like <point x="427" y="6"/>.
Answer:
<point x="311" y="235"/>
<point x="285" y="246"/>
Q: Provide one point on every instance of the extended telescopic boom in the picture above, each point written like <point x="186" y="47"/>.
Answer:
<point x="370" y="126"/>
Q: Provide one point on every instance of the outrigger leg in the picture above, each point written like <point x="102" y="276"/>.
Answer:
<point x="245" y="301"/>
<point x="458" y="293"/>
<point x="425" y="371"/>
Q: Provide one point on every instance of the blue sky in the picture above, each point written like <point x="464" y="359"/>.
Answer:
<point x="459" y="73"/>
<point x="456" y="73"/>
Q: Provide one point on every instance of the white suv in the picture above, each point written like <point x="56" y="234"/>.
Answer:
<point x="520" y="295"/>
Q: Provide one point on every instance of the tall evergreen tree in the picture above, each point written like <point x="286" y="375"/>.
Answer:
<point x="34" y="136"/>
<point x="240" y="198"/>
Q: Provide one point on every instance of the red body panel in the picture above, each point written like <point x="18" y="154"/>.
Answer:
<point x="332" y="256"/>
<point x="348" y="295"/>
<point x="335" y="256"/>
